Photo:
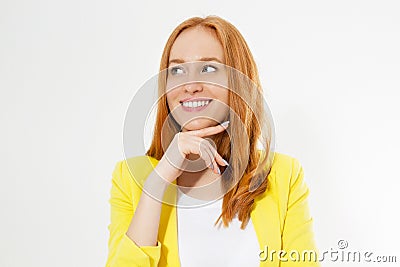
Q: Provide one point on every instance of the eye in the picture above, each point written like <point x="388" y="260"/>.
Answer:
<point x="209" y="68"/>
<point x="176" y="70"/>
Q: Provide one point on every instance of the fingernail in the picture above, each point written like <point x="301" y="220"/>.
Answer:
<point x="219" y="172"/>
<point x="226" y="163"/>
<point x="225" y="124"/>
<point x="211" y="166"/>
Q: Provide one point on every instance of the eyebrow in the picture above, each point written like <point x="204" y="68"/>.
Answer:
<point x="179" y="61"/>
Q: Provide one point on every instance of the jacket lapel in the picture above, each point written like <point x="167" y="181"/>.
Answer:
<point x="265" y="219"/>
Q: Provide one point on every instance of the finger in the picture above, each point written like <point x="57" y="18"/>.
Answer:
<point x="209" y="130"/>
<point x="214" y="153"/>
<point x="221" y="161"/>
<point x="216" y="169"/>
<point x="215" y="157"/>
<point x="206" y="154"/>
<point x="218" y="158"/>
<point x="206" y="151"/>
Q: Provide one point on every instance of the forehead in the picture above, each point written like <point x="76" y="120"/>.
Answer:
<point x="195" y="43"/>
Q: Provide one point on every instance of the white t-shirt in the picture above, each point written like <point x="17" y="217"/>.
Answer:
<point x="202" y="244"/>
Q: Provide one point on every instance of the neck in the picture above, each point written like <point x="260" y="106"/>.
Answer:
<point x="203" y="184"/>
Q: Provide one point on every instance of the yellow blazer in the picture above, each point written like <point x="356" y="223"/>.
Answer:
<point x="280" y="217"/>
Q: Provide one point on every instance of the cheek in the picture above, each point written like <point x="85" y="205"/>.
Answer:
<point x="226" y="97"/>
<point x="223" y="95"/>
<point x="172" y="98"/>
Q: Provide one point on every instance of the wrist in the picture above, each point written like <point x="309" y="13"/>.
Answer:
<point x="166" y="170"/>
<point x="155" y="185"/>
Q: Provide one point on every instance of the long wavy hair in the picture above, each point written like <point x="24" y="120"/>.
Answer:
<point x="247" y="172"/>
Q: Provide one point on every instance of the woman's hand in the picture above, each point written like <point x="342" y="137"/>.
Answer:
<point x="174" y="161"/>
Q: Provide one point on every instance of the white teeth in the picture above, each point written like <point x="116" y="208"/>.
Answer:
<point x="195" y="104"/>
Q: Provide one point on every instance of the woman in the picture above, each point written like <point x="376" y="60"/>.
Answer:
<point x="205" y="142"/>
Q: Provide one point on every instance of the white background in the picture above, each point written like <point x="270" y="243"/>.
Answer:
<point x="68" y="70"/>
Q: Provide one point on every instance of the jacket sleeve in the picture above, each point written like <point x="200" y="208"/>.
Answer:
<point x="122" y="251"/>
<point x="298" y="237"/>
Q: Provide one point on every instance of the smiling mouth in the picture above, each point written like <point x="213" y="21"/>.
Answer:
<point x="196" y="105"/>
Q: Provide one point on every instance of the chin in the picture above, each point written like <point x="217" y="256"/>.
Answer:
<point x="199" y="124"/>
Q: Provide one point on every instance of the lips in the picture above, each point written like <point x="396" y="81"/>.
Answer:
<point x="195" y="104"/>
<point x="195" y="99"/>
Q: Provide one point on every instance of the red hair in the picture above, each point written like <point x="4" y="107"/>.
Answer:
<point x="247" y="124"/>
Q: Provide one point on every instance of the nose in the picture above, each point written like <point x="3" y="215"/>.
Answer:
<point x="192" y="88"/>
